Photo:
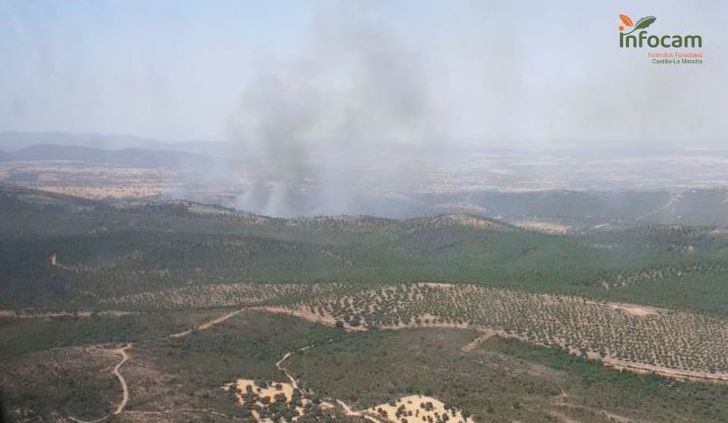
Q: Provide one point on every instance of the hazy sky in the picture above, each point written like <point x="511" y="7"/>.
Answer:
<point x="533" y="74"/>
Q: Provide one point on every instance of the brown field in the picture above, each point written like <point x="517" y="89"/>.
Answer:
<point x="545" y="227"/>
<point x="90" y="181"/>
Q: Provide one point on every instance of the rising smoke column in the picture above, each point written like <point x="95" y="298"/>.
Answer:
<point x="356" y="97"/>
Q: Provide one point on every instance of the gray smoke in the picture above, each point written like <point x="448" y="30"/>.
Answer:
<point x="320" y="130"/>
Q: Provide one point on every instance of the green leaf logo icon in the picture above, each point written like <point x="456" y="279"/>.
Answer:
<point x="643" y="23"/>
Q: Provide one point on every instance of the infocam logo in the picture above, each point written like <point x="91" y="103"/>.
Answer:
<point x="628" y="38"/>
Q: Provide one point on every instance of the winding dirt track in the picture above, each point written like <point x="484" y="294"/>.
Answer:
<point x="349" y="412"/>
<point x="124" y="387"/>
<point x="125" y="357"/>
<point x="485" y="333"/>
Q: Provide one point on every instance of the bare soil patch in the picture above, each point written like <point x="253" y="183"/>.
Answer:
<point x="545" y="227"/>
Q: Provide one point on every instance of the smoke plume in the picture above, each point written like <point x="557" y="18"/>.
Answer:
<point x="319" y="130"/>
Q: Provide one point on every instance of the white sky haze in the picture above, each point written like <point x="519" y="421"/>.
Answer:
<point x="537" y="74"/>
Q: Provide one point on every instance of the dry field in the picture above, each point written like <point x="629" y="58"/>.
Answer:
<point x="257" y="397"/>
<point x="265" y="402"/>
<point x="417" y="408"/>
<point x="105" y="192"/>
<point x="545" y="227"/>
<point x="90" y="181"/>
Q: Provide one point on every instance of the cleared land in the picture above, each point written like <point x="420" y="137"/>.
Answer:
<point x="89" y="180"/>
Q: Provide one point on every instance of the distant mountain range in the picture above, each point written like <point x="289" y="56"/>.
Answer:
<point x="134" y="157"/>
<point x="13" y="141"/>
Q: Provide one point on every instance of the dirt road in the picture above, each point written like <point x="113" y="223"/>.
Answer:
<point x="124" y="387"/>
<point x="206" y="325"/>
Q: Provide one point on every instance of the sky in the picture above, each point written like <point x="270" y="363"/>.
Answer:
<point x="485" y="73"/>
